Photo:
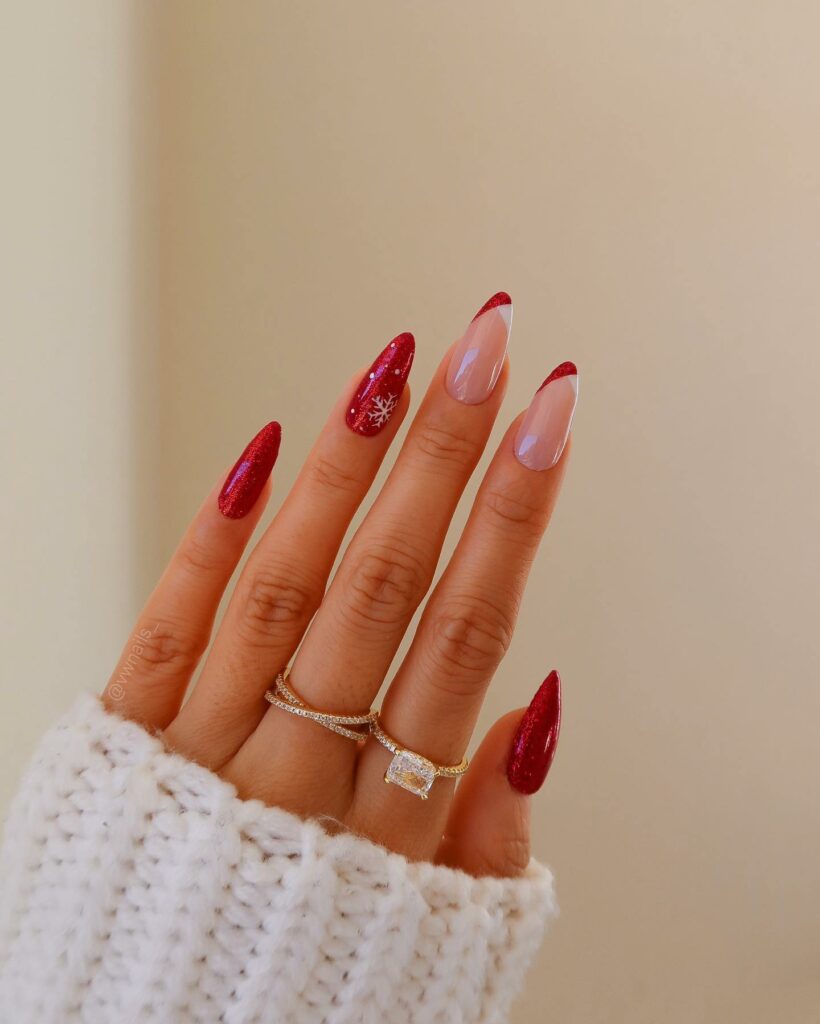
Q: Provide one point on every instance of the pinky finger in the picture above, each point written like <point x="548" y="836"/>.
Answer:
<point x="488" y="832"/>
<point x="173" y="630"/>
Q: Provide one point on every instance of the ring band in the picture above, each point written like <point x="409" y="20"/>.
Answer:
<point x="282" y="696"/>
<point x="410" y="770"/>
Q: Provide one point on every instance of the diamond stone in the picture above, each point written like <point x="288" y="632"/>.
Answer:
<point x="412" y="772"/>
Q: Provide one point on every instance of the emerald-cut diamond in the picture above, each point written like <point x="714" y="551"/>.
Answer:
<point x="412" y="772"/>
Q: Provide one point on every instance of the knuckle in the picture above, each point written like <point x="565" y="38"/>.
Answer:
<point x="515" y="508"/>
<point x="196" y="558"/>
<point x="167" y="647"/>
<point x="508" y="858"/>
<point x="448" y="446"/>
<point x="385" y="585"/>
<point x="275" y="603"/>
<point x="469" y="640"/>
<point x="512" y="856"/>
<point x="330" y="476"/>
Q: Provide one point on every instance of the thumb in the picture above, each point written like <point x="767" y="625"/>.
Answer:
<point x="488" y="831"/>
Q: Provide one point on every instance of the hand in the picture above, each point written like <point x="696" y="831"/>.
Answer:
<point x="348" y="636"/>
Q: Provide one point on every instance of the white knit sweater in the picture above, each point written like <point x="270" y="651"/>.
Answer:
<point x="137" y="887"/>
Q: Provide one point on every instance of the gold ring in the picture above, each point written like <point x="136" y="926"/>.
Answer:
<point x="282" y="696"/>
<point x="410" y="770"/>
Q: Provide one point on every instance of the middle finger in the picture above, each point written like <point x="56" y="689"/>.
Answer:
<point x="434" y="700"/>
<point x="386" y="571"/>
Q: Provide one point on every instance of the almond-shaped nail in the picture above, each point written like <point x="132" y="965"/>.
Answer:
<point x="477" y="359"/>
<point x="378" y="393"/>
<point x="244" y="483"/>
<point x="536" y="738"/>
<point x="545" y="428"/>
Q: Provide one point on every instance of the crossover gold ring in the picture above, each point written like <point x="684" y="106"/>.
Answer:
<point x="352" y="727"/>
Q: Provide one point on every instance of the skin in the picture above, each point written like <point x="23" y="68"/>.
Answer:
<point x="347" y="634"/>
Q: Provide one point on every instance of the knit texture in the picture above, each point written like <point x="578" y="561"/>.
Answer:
<point x="136" y="886"/>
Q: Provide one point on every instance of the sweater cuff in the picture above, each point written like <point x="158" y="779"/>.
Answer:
<point x="136" y="885"/>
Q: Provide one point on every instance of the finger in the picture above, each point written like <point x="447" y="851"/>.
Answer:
<point x="488" y="831"/>
<point x="173" y="629"/>
<point x="284" y="579"/>
<point x="387" y="569"/>
<point x="433" y="703"/>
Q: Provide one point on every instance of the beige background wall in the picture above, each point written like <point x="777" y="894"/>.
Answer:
<point x="77" y="342"/>
<point x="208" y="201"/>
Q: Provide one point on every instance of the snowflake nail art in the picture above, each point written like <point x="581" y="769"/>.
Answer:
<point x="378" y="393"/>
<point x="382" y="410"/>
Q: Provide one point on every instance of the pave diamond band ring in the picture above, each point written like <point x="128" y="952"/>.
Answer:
<point x="352" y="727"/>
<point x="410" y="770"/>
<point x="407" y="769"/>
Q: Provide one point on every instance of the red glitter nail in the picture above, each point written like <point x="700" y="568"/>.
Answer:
<point x="562" y="370"/>
<point x="245" y="481"/>
<point x="536" y="738"/>
<point x="379" y="391"/>
<point x="499" y="299"/>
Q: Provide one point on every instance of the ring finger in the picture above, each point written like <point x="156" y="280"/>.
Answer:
<point x="284" y="579"/>
<point x="383" y="577"/>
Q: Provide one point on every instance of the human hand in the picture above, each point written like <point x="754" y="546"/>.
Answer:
<point x="348" y="636"/>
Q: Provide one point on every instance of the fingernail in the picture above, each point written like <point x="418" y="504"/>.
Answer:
<point x="477" y="359"/>
<point x="536" y="738"/>
<point x="545" y="428"/>
<point x="378" y="393"/>
<point x="247" y="478"/>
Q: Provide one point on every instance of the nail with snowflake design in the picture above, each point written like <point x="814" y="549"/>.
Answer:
<point x="378" y="393"/>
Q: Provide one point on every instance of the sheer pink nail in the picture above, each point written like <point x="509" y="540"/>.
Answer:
<point x="477" y="359"/>
<point x="545" y="427"/>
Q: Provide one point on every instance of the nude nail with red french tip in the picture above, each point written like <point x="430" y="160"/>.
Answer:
<point x="477" y="359"/>
<point x="536" y="738"/>
<point x="377" y="396"/>
<point x="543" y="433"/>
<point x="246" y="480"/>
